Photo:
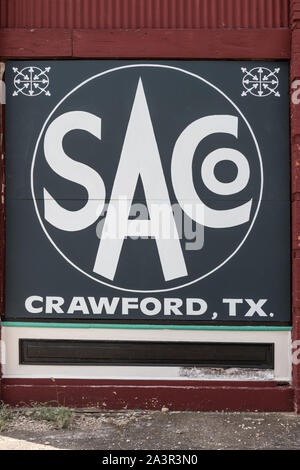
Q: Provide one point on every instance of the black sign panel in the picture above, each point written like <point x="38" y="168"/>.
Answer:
<point x="148" y="191"/>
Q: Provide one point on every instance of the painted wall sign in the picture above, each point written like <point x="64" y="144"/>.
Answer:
<point x="155" y="191"/>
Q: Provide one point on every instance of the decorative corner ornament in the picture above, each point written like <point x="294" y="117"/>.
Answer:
<point x="31" y="81"/>
<point x="260" y="82"/>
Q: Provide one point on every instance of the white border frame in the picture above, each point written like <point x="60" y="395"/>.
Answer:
<point x="12" y="368"/>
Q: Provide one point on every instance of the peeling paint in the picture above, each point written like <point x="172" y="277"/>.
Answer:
<point x="233" y="373"/>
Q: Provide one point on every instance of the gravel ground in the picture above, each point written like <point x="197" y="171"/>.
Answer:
<point x="154" y="430"/>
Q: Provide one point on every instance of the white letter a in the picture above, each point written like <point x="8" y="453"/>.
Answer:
<point x="140" y="157"/>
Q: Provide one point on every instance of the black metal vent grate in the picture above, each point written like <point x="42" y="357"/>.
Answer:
<point x="147" y="353"/>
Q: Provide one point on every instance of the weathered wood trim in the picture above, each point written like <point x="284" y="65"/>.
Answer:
<point x="146" y="43"/>
<point x="151" y="395"/>
<point x="192" y="44"/>
<point x="35" y="43"/>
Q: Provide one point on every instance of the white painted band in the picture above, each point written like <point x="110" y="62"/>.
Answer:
<point x="12" y="368"/>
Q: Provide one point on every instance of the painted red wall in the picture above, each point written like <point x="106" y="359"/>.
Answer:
<point x="140" y="14"/>
<point x="295" y="188"/>
<point x="215" y="29"/>
<point x="145" y="28"/>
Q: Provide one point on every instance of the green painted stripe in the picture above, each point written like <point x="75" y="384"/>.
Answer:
<point x="145" y="327"/>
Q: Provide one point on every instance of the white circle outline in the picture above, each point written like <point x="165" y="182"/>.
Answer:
<point x="135" y="66"/>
